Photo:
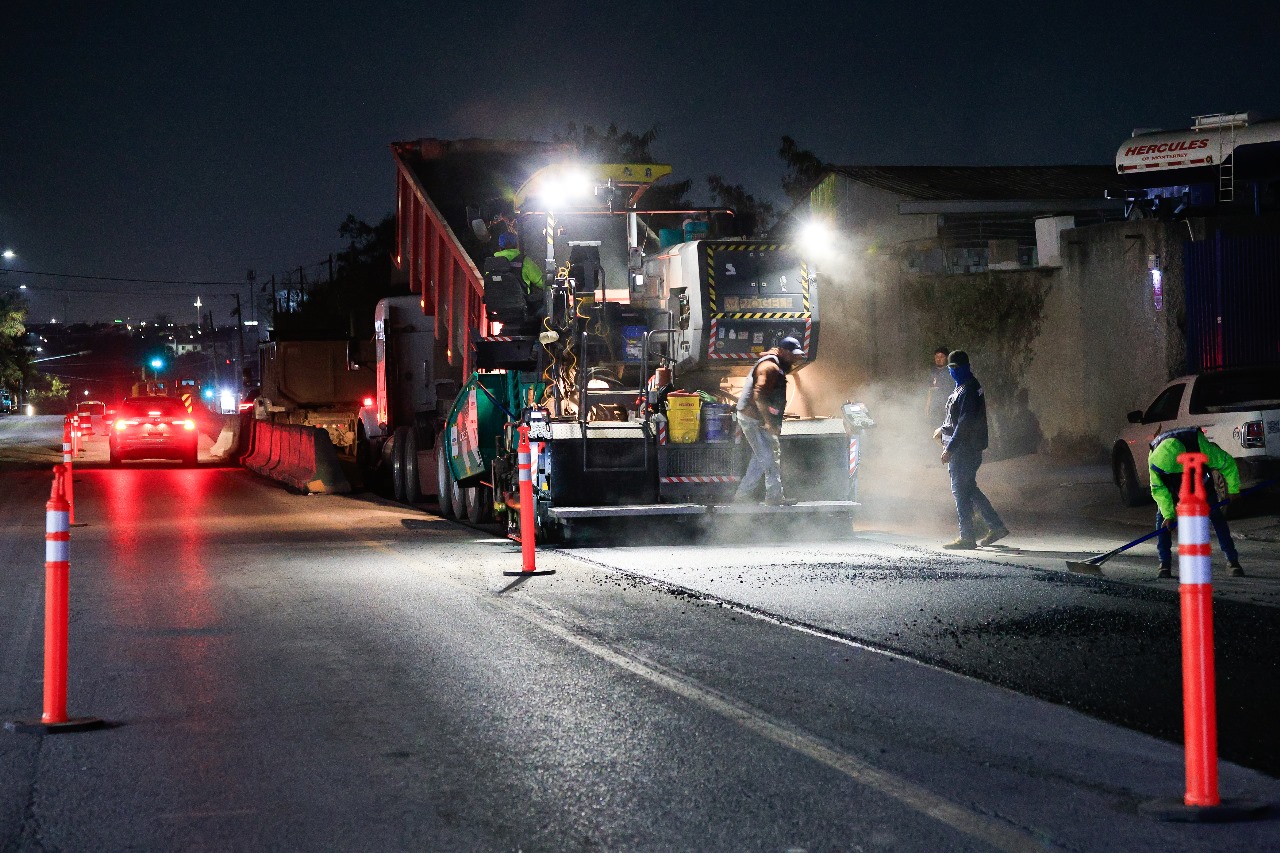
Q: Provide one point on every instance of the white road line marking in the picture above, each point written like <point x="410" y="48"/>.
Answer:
<point x="998" y="834"/>
<point x="987" y="830"/>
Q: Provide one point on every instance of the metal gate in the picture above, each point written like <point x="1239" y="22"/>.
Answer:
<point x="1233" y="301"/>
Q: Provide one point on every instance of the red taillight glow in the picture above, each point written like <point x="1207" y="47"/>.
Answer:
<point x="120" y="425"/>
<point x="368" y="401"/>
<point x="187" y="424"/>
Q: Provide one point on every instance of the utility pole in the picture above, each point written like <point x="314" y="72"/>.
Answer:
<point x="275" y="301"/>
<point x="331" y="268"/>
<point x="240" y="327"/>
<point x="252" y="278"/>
<point x="302" y="287"/>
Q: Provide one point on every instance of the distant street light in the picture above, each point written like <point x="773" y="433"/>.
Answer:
<point x="9" y="254"/>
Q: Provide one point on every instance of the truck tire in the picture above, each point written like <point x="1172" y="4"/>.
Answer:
<point x="398" y="479"/>
<point x="408" y="451"/>
<point x="444" y="481"/>
<point x="1126" y="476"/>
<point x="479" y="504"/>
<point x="458" y="497"/>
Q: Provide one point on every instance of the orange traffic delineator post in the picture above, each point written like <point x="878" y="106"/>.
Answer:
<point x="1201" y="803"/>
<point x="57" y="582"/>
<point x="68" y="452"/>
<point x="527" y="545"/>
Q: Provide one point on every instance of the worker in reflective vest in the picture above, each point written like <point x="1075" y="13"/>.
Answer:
<point x="530" y="274"/>
<point x="759" y="413"/>
<point x="1166" y="480"/>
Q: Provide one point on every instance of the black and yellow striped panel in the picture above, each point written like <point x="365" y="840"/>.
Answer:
<point x="765" y="315"/>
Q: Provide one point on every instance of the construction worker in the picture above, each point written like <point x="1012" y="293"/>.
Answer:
<point x="964" y="438"/>
<point x="759" y="413"/>
<point x="509" y="248"/>
<point x="1166" y="481"/>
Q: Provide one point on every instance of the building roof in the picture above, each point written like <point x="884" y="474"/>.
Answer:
<point x="986" y="183"/>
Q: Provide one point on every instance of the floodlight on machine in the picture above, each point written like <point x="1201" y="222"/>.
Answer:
<point x="816" y="236"/>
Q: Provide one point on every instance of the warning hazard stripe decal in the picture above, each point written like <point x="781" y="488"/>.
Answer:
<point x="711" y="281"/>
<point x="764" y="315"/>
<point x="711" y="344"/>
<point x="706" y="479"/>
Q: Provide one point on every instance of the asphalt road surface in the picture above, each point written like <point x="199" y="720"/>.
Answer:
<point x="290" y="672"/>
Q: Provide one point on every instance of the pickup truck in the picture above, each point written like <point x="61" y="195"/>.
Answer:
<point x="1238" y="409"/>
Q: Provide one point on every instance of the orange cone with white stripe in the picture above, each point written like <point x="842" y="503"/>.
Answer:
<point x="527" y="522"/>
<point x="67" y="454"/>
<point x="57" y="582"/>
<point x="1201" y="801"/>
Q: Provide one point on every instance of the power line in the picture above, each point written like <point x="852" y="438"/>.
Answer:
<point x="132" y="280"/>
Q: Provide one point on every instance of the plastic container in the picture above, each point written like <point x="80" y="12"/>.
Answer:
<point x="717" y="422"/>
<point x="683" y="410"/>
<point x="695" y="229"/>
<point x="668" y="237"/>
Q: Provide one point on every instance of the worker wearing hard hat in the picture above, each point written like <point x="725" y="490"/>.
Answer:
<point x="530" y="274"/>
<point x="759" y="413"/>
<point x="1166" y="480"/>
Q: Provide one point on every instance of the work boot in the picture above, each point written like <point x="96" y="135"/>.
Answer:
<point x="1236" y="571"/>
<point x="961" y="545"/>
<point x="1164" y="571"/>
<point x="994" y="536"/>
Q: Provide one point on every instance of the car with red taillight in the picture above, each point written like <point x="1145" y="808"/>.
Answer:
<point x="1238" y="408"/>
<point x="153" y="428"/>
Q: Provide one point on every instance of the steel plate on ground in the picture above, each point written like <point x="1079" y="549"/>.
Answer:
<point x="568" y="513"/>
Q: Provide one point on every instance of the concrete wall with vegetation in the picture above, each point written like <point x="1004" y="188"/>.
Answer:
<point x="1108" y="340"/>
<point x="1063" y="352"/>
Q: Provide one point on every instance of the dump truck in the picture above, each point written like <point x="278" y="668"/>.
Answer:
<point x="624" y="365"/>
<point x="320" y="383"/>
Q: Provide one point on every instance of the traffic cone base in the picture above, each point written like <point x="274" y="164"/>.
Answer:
<point x="39" y="727"/>
<point x="1175" y="810"/>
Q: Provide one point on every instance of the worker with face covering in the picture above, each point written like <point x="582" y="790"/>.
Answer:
<point x="964" y="437"/>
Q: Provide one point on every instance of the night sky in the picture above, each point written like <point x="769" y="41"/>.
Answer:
<point x="196" y="141"/>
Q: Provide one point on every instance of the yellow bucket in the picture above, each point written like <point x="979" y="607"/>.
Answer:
<point x="683" y="417"/>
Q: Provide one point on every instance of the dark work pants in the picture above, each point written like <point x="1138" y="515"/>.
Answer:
<point x="1164" y="542"/>
<point x="964" y="487"/>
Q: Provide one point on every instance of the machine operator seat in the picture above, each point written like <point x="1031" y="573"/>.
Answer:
<point x="505" y="300"/>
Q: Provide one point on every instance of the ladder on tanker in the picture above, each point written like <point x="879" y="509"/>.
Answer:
<point x="1226" y="125"/>
<point x="1226" y="167"/>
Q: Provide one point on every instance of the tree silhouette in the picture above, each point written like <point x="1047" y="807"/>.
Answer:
<point x="804" y="169"/>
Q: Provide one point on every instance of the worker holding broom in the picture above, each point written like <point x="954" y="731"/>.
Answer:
<point x="1166" y="480"/>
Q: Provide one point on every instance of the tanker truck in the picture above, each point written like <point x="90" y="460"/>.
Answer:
<point x="623" y="367"/>
<point x="1222" y="163"/>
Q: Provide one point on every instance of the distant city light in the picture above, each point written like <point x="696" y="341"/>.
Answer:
<point x="251" y="322"/>
<point x="10" y="254"/>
